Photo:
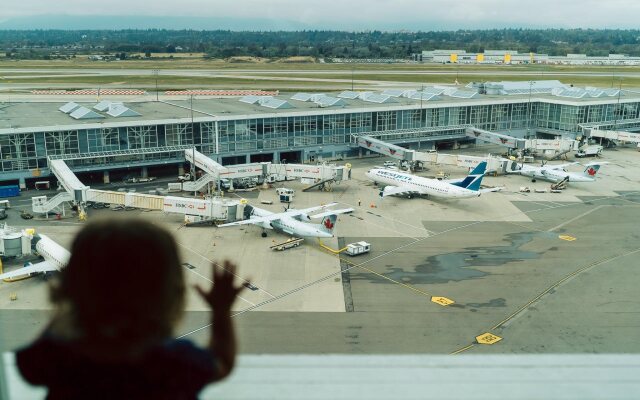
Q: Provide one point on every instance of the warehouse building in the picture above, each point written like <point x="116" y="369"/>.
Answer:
<point x="515" y="57"/>
<point x="299" y="127"/>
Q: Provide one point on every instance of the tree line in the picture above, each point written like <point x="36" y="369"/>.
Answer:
<point x="318" y="43"/>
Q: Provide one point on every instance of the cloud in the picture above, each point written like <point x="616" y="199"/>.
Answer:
<point x="359" y="14"/>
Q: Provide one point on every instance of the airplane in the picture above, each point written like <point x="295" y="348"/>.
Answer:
<point x="557" y="173"/>
<point x="293" y="222"/>
<point x="55" y="257"/>
<point x="401" y="183"/>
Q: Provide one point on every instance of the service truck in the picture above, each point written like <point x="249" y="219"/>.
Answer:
<point x="354" y="249"/>
<point x="589" y="151"/>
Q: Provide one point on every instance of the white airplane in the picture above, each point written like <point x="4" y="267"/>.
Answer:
<point x="557" y="173"/>
<point x="55" y="257"/>
<point x="401" y="183"/>
<point x="293" y="222"/>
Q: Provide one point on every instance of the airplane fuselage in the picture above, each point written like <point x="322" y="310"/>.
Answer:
<point x="52" y="252"/>
<point x="431" y="187"/>
<point x="554" y="175"/>
<point x="291" y="226"/>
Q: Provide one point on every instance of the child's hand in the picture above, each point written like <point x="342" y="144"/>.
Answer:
<point x="223" y="293"/>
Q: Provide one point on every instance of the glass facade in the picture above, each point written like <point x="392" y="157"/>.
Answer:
<point x="27" y="151"/>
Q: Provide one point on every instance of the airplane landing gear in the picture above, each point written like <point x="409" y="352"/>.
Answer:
<point x="263" y="234"/>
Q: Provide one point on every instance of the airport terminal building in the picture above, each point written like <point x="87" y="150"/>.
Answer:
<point x="108" y="135"/>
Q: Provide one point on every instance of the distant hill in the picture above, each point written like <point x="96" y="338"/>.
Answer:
<point x="108" y="22"/>
<point x="218" y="38"/>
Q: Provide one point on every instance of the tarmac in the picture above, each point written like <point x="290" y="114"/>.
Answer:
<point x="538" y="272"/>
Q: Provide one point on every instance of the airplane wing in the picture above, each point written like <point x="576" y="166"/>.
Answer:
<point x="274" y="217"/>
<point x="43" y="266"/>
<point x="253" y="220"/>
<point x="559" y="166"/>
<point x="332" y="212"/>
<point x="493" y="189"/>
<point x="293" y="213"/>
<point x="397" y="190"/>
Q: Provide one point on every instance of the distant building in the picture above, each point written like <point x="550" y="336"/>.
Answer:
<point x="514" y="57"/>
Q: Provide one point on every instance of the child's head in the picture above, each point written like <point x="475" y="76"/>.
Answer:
<point x="123" y="283"/>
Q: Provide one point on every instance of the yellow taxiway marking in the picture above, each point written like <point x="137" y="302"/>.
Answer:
<point x="334" y="251"/>
<point x="488" y="338"/>
<point x="465" y="348"/>
<point x="547" y="290"/>
<point x="567" y="238"/>
<point x="442" y="301"/>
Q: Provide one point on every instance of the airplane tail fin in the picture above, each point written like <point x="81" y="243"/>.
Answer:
<point x="592" y="169"/>
<point x="328" y="223"/>
<point x="473" y="180"/>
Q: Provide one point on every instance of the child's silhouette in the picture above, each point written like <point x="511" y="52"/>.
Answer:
<point x="117" y="303"/>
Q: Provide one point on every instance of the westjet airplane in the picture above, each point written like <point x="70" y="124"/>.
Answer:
<point x="404" y="184"/>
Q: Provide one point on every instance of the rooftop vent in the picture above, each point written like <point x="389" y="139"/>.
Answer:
<point x="85" y="113"/>
<point x="327" y="101"/>
<point x="275" y="103"/>
<point x="251" y="99"/>
<point x="348" y="95"/>
<point x="377" y="98"/>
<point x="119" y="110"/>
<point x="69" y="107"/>
<point x="102" y="106"/>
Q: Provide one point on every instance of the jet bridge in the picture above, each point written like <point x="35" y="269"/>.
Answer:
<point x="204" y="163"/>
<point x="68" y="180"/>
<point x="213" y="170"/>
<point x="201" y="209"/>
<point x="547" y="147"/>
<point x="496" y="138"/>
<point x="621" y="136"/>
<point x="387" y="149"/>
<point x="416" y="158"/>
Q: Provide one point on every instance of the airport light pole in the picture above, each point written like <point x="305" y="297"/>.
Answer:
<point x="352" y="79"/>
<point x="529" y="111"/>
<point x="193" y="138"/>
<point x="615" y="126"/>
<point x="421" y="94"/>
<point x="155" y="73"/>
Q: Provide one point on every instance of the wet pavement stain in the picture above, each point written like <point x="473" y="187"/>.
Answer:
<point x="460" y="266"/>
<point x="499" y="302"/>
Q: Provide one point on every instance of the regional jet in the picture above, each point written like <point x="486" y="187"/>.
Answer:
<point x="55" y="258"/>
<point x="401" y="183"/>
<point x="557" y="173"/>
<point x="293" y="222"/>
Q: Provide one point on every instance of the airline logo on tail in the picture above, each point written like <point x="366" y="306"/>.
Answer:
<point x="329" y="222"/>
<point x="591" y="170"/>
<point x="473" y="180"/>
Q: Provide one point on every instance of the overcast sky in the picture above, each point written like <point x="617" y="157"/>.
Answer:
<point x="355" y="14"/>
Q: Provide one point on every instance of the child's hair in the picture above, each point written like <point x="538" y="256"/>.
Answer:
<point x="123" y="285"/>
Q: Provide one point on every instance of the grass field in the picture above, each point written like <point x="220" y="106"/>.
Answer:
<point x="313" y="75"/>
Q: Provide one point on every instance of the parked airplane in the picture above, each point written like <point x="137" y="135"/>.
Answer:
<point x="401" y="183"/>
<point x="557" y="173"/>
<point x="293" y="222"/>
<point x="55" y="257"/>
